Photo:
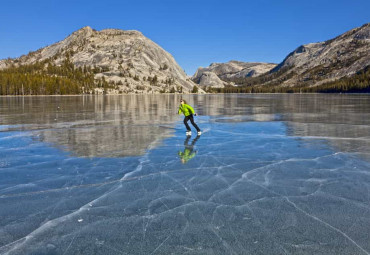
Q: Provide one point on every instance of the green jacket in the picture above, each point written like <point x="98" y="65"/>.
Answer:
<point x="186" y="109"/>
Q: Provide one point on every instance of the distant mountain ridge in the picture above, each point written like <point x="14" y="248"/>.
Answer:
<point x="127" y="60"/>
<point x="341" y="58"/>
<point x="317" y="63"/>
<point x="217" y="74"/>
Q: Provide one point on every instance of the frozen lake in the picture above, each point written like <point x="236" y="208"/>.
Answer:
<point x="271" y="174"/>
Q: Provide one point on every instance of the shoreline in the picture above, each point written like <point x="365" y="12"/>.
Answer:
<point x="90" y="95"/>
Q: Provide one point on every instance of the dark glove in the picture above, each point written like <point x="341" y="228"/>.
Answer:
<point x="195" y="114"/>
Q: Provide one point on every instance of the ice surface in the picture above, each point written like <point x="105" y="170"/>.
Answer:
<point x="271" y="174"/>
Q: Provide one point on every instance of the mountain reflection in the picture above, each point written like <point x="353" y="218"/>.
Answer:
<point x="94" y="126"/>
<point x="343" y="121"/>
<point x="128" y="125"/>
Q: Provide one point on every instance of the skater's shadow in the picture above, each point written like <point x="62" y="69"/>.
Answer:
<point x="189" y="151"/>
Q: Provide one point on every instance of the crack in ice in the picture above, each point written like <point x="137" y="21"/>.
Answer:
<point x="327" y="224"/>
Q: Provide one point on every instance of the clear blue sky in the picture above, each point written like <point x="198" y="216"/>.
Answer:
<point x="196" y="33"/>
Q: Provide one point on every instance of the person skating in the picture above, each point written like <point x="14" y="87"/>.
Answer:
<point x="188" y="111"/>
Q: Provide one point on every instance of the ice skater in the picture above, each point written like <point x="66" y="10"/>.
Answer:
<point x="188" y="111"/>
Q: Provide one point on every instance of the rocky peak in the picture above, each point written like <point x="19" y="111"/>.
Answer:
<point x="127" y="59"/>
<point x="84" y="30"/>
<point x="316" y="63"/>
<point x="230" y="70"/>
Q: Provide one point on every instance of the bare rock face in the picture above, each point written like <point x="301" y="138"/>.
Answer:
<point x="230" y="70"/>
<point x="317" y="63"/>
<point x="127" y="59"/>
<point x="210" y="79"/>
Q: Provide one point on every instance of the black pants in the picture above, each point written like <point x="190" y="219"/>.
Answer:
<point x="191" y="118"/>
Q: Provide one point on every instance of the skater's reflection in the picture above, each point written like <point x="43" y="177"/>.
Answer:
<point x="189" y="151"/>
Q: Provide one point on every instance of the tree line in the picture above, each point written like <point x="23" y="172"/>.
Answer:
<point x="46" y="78"/>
